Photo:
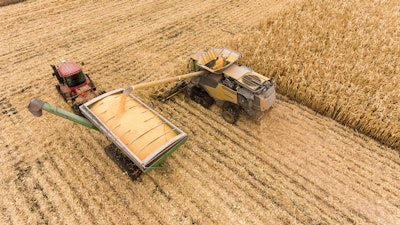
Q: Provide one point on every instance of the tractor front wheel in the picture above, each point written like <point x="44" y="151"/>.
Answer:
<point x="60" y="92"/>
<point x="230" y="112"/>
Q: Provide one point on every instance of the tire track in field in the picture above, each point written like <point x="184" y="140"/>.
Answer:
<point x="339" y="173"/>
<point x="343" y="214"/>
<point x="365" y="178"/>
<point x="336" y="162"/>
<point x="145" y="178"/>
<point x="23" y="183"/>
<point x="54" y="191"/>
<point x="148" y="194"/>
<point x="203" y="149"/>
<point x="87" y="170"/>
<point x="64" y="167"/>
<point x="222" y="159"/>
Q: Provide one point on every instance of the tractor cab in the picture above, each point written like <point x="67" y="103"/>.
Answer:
<point x="73" y="85"/>
<point x="71" y="74"/>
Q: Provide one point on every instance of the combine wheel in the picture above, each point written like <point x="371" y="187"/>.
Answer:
<point x="201" y="97"/>
<point x="230" y="112"/>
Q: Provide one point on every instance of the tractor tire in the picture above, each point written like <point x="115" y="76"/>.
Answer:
<point x="230" y="112"/>
<point x="59" y="91"/>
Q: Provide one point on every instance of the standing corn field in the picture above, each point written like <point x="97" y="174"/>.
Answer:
<point x="340" y="58"/>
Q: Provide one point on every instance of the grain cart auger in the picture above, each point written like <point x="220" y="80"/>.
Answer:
<point x="144" y="137"/>
<point x="232" y="86"/>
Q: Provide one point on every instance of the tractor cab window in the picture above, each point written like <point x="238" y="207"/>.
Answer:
<point x="75" y="79"/>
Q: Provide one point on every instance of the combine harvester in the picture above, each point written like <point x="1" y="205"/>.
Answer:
<point x="144" y="136"/>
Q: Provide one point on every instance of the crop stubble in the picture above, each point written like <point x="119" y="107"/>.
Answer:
<point x="291" y="167"/>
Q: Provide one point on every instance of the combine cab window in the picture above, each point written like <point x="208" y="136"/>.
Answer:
<point x="75" y="79"/>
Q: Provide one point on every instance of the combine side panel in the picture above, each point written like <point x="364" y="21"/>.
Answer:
<point x="139" y="132"/>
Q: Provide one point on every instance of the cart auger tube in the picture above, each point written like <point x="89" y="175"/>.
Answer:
<point x="36" y="107"/>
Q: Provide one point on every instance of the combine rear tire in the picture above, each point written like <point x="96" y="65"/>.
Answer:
<point x="230" y="112"/>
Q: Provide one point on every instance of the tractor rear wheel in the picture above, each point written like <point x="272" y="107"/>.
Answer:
<point x="230" y="112"/>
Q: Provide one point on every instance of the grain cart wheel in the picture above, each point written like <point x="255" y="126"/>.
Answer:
<point x="123" y="162"/>
<point x="77" y="111"/>
<point x="230" y="112"/>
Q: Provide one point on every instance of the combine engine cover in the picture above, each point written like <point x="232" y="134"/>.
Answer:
<point x="256" y="93"/>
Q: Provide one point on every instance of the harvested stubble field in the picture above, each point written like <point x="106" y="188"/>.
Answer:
<point x="293" y="167"/>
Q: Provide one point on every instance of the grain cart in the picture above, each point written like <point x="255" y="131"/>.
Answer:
<point x="143" y="136"/>
<point x="74" y="86"/>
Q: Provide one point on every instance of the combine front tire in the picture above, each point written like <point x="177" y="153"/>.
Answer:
<point x="230" y="112"/>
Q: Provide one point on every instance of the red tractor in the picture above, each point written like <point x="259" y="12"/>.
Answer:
<point x="73" y="85"/>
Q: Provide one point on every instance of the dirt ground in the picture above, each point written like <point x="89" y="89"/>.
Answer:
<point x="292" y="167"/>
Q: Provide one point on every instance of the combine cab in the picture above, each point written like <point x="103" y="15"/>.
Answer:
<point x="73" y="85"/>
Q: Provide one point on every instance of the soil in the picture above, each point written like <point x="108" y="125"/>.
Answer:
<point x="292" y="167"/>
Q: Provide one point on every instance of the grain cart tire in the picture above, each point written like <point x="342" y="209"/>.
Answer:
<point x="230" y="112"/>
<point x="123" y="162"/>
<point x="77" y="111"/>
